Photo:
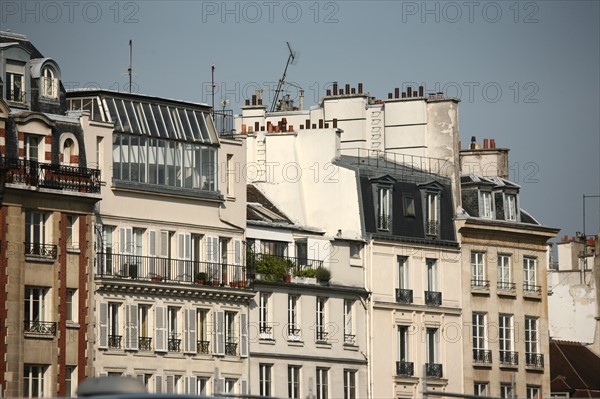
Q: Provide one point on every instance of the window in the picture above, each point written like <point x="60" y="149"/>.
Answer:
<point x="145" y="341"/>
<point x="431" y="265"/>
<point x="72" y="305"/>
<point x="68" y="151"/>
<point x="70" y="381"/>
<point x="506" y="335"/>
<point x="480" y="389"/>
<point x="348" y="322"/>
<point x="533" y="357"/>
<point x="114" y="336"/>
<point x="173" y="384"/>
<point x="511" y="207"/>
<point x="33" y="380"/>
<point x="355" y="250"/>
<point x="384" y="201"/>
<point x="402" y="272"/>
<point x="409" y="207"/>
<point x="230" y="384"/>
<point x="37" y="234"/>
<point x="49" y="83"/>
<point x="529" y="275"/>
<point x="33" y="145"/>
<point x="202" y="386"/>
<point x="37" y="311"/>
<point x="265" y="328"/>
<point x="230" y="174"/>
<point x="302" y="253"/>
<point x="265" y="379"/>
<point x="321" y="333"/>
<point x="485" y="204"/>
<point x="506" y="390"/>
<point x="403" y="366"/>
<point x="322" y="383"/>
<point x="504" y="275"/>
<point x="202" y="327"/>
<point x="72" y="231"/>
<point x="432" y="345"/>
<point x="230" y="334"/>
<point x="533" y="392"/>
<point x="477" y="270"/>
<point x="293" y="322"/>
<point x="15" y="83"/>
<point x="480" y="352"/>
<point x="432" y="214"/>
<point x="174" y="340"/>
<point x="349" y="384"/>
<point x="294" y="382"/>
<point x="276" y="248"/>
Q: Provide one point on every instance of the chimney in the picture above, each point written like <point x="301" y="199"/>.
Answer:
<point x="432" y="96"/>
<point x="347" y="88"/>
<point x="403" y="94"/>
<point x="420" y="91"/>
<point x="440" y="95"/>
<point x="390" y="96"/>
<point x="328" y="92"/>
<point x="360" y="87"/>
<point x="250" y="129"/>
<point x="353" y="90"/>
<point x="290" y="128"/>
<point x="397" y="92"/>
<point x="256" y="126"/>
<point x="259" y="101"/>
<point x="243" y="128"/>
<point x="247" y="102"/>
<point x="335" y="123"/>
<point x="307" y="123"/>
<point x="335" y="88"/>
<point x="492" y="143"/>
<point x="485" y="144"/>
<point x="326" y="125"/>
<point x="314" y="125"/>
<point x="320" y="123"/>
<point x="341" y="92"/>
<point x="254" y="99"/>
<point x="301" y="99"/>
<point x="409" y="91"/>
<point x="473" y="143"/>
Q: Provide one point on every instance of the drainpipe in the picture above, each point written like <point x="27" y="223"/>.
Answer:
<point x="369" y="320"/>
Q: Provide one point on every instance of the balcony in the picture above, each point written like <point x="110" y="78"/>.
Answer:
<point x="405" y="369"/>
<point x="51" y="176"/>
<point x="273" y="268"/>
<point x="482" y="356"/>
<point x="384" y="222"/>
<point x="294" y="333"/>
<point x="174" y="343"/>
<point x="43" y="251"/>
<point x="203" y="347"/>
<point x="224" y="122"/>
<point x="534" y="360"/>
<point x="431" y="228"/>
<point x="321" y="335"/>
<point x="433" y="298"/>
<point x="43" y="328"/>
<point x="532" y="289"/>
<point x="509" y="358"/>
<point x="114" y="341"/>
<point x="265" y="331"/>
<point x="480" y="285"/>
<point x="349" y="339"/>
<point x="433" y="370"/>
<point x="166" y="270"/>
<point x="404" y="296"/>
<point x="231" y="348"/>
<point x="145" y="343"/>
<point x="505" y="287"/>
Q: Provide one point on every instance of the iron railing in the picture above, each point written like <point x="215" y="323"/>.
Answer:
<point x="265" y="330"/>
<point x="532" y="289"/>
<point x="52" y="176"/>
<point x="384" y="222"/>
<point x="433" y="370"/>
<point x="482" y="356"/>
<point x="349" y="339"/>
<point x="506" y="286"/>
<point x="321" y="334"/>
<point x="174" y="343"/>
<point x="405" y="368"/>
<point x="294" y="265"/>
<point x="431" y="227"/>
<point x="114" y="341"/>
<point x="231" y="348"/>
<point x="433" y="298"/>
<point x="203" y="347"/>
<point x="224" y="122"/>
<point x="47" y="251"/>
<point x="480" y="284"/>
<point x="40" y="327"/>
<point x="404" y="296"/>
<point x="294" y="331"/>
<point x="534" y="360"/>
<point x="17" y="96"/>
<point x="509" y="358"/>
<point x="145" y="343"/>
<point x="152" y="268"/>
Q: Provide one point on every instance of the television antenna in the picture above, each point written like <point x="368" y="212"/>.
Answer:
<point x="291" y="58"/>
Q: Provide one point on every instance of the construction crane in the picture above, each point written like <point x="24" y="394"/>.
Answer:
<point x="290" y="60"/>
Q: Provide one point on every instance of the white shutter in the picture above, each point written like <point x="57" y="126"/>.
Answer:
<point x="103" y="326"/>
<point x="158" y="383"/>
<point x="160" y="329"/>
<point x="170" y="384"/>
<point x="244" y="387"/>
<point x="126" y="240"/>
<point x="184" y="269"/>
<point x="215" y="334"/>
<point x="164" y="244"/>
<point x="189" y="331"/>
<point x="237" y="260"/>
<point x="191" y="385"/>
<point x="219" y="386"/>
<point x="152" y="252"/>
<point x="221" y="333"/>
<point x="131" y="327"/>
<point x="243" y="335"/>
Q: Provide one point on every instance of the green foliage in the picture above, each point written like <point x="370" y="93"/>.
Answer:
<point x="322" y="274"/>
<point x="272" y="268"/>
<point x="200" y="276"/>
<point x="305" y="272"/>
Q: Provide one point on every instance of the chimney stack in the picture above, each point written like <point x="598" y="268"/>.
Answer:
<point x="420" y="91"/>
<point x="473" y="142"/>
<point x="397" y="92"/>
<point x="409" y="91"/>
<point x="347" y="88"/>
<point x="360" y="88"/>
<point x="492" y="143"/>
<point x="335" y="88"/>
<point x="301" y="100"/>
<point x="485" y="144"/>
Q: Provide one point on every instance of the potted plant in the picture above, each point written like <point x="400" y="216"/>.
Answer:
<point x="305" y="276"/>
<point x="272" y="268"/>
<point x="201" y="278"/>
<point x="322" y="274"/>
<point x="156" y="278"/>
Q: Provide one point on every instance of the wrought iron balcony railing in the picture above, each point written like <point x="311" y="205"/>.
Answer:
<point x="40" y="327"/>
<point x="145" y="343"/>
<point x="534" y="360"/>
<point x="174" y="343"/>
<point x="404" y="296"/>
<point x="480" y="284"/>
<point x="532" y="289"/>
<point x="294" y="265"/>
<point x="509" y="358"/>
<point x="114" y="341"/>
<point x="161" y="270"/>
<point x="224" y="122"/>
<point x="405" y="369"/>
<point x="231" y="348"/>
<point x="349" y="339"/>
<point x="203" y="347"/>
<point x="294" y="330"/>
<point x="321" y="335"/>
<point x="431" y="228"/>
<point x="482" y="356"/>
<point x="52" y="176"/>
<point x="506" y="286"/>
<point x="433" y="370"/>
<point x="433" y="298"/>
<point x="384" y="222"/>
<point x="46" y="251"/>
<point x="265" y="330"/>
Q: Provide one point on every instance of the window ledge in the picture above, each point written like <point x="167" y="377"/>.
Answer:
<point x="39" y="336"/>
<point x="322" y="344"/>
<point x="482" y="365"/>
<point x="533" y="296"/>
<point x="166" y="190"/>
<point x="72" y="324"/>
<point x="512" y="294"/>
<point x="295" y="342"/>
<point x="350" y="347"/>
<point x="406" y="379"/>
<point x="267" y="341"/>
<point x="73" y="250"/>
<point x="115" y="352"/>
<point x="145" y="354"/>
<point x="39" y="259"/>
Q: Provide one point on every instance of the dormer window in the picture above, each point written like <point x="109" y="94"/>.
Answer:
<point x="49" y="85"/>
<point x="15" y="83"/>
<point x="511" y="207"/>
<point x="485" y="204"/>
<point x="384" y="202"/>
<point x="31" y="146"/>
<point x="432" y="213"/>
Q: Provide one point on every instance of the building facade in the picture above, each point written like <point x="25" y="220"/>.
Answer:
<point x="48" y="193"/>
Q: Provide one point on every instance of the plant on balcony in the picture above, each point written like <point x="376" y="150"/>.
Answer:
<point x="322" y="274"/>
<point x="156" y="278"/>
<point x="201" y="278"/>
<point x="305" y="272"/>
<point x="272" y="268"/>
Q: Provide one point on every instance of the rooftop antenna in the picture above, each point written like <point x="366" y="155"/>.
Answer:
<point x="212" y="70"/>
<point x="291" y="58"/>
<point x="130" y="69"/>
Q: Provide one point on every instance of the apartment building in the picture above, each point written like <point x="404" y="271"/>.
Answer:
<point x="505" y="256"/>
<point x="47" y="195"/>
<point x="170" y="288"/>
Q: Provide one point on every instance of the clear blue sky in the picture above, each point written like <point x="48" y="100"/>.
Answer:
<point x="528" y="72"/>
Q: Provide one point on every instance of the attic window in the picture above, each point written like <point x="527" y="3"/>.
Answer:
<point x="432" y="203"/>
<point x="511" y="207"/>
<point x="15" y="83"/>
<point x="485" y="204"/>
<point x="384" y="201"/>
<point x="409" y="207"/>
<point x="49" y="83"/>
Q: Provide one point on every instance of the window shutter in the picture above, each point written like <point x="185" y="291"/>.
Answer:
<point x="237" y="256"/>
<point x="164" y="244"/>
<point x="244" y="387"/>
<point x="103" y="333"/>
<point x="215" y="337"/>
<point x="189" y="331"/>
<point x="131" y="327"/>
<point x="191" y="385"/>
<point x="151" y="243"/>
<point x="170" y="384"/>
<point x="219" y="386"/>
<point x="243" y="335"/>
<point x="158" y="383"/>
<point x="219" y="346"/>
<point x="160" y="335"/>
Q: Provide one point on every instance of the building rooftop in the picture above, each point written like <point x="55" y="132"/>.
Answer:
<point x="574" y="369"/>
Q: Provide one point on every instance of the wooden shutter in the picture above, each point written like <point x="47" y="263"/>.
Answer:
<point x="243" y="335"/>
<point x="103" y="326"/>
<point x="160" y="329"/>
<point x="189" y="331"/>
<point x="191" y="385"/>
<point x="170" y="384"/>
<point x="244" y="387"/>
<point x="131" y="327"/>
<point x="158" y="383"/>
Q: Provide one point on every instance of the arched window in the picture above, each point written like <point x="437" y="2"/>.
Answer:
<point x="67" y="151"/>
<point x="49" y="83"/>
